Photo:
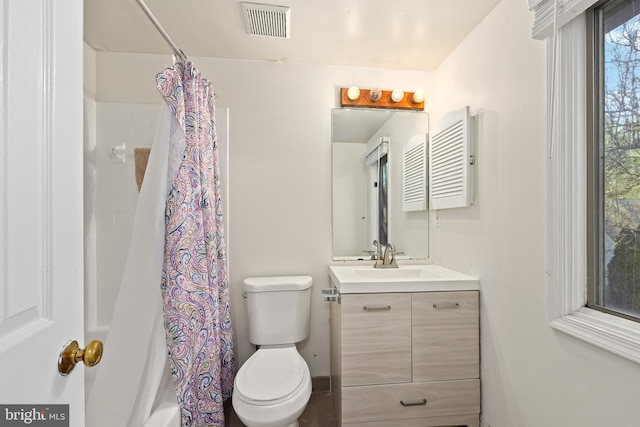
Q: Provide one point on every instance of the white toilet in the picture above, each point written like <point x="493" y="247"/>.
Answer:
<point x="273" y="386"/>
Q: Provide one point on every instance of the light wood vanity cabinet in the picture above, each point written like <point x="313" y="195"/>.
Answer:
<point x="376" y="336"/>
<point x="406" y="359"/>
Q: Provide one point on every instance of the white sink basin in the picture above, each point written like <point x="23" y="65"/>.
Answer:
<point x="406" y="278"/>
<point x="394" y="273"/>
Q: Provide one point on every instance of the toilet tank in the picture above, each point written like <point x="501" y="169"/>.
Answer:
<point x="278" y="309"/>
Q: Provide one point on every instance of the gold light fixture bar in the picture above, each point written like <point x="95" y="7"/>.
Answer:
<point x="363" y="98"/>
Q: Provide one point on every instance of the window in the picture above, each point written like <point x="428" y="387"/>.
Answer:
<point x="567" y="199"/>
<point x="614" y="227"/>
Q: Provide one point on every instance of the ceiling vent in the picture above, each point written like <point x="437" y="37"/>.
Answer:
<point x="267" y="20"/>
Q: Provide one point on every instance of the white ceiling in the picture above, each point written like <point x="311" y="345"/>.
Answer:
<point x="397" y="34"/>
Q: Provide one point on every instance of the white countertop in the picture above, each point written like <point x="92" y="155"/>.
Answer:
<point x="357" y="279"/>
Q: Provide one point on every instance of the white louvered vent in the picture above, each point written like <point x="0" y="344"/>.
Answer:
<point x="414" y="174"/>
<point x="267" y="20"/>
<point x="450" y="161"/>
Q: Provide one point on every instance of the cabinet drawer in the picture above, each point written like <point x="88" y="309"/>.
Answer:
<point x="376" y="338"/>
<point x="445" y="336"/>
<point x="433" y="399"/>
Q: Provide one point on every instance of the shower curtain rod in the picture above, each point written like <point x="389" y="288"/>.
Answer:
<point x="176" y="50"/>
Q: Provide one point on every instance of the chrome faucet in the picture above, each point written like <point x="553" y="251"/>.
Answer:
<point x="388" y="260"/>
<point x="377" y="254"/>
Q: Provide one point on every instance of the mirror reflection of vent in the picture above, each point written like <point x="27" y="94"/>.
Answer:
<point x="414" y="174"/>
<point x="450" y="160"/>
<point x="267" y="20"/>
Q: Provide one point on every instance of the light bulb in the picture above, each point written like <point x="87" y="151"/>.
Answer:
<point x="397" y="95"/>
<point x="418" y="96"/>
<point x="375" y="94"/>
<point x="353" y="93"/>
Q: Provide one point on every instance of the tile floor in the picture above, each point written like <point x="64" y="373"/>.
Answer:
<point x="318" y="413"/>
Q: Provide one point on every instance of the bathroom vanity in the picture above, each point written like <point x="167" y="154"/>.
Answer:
<point x="404" y="346"/>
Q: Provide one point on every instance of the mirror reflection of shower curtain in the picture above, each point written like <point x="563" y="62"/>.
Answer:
<point x="377" y="160"/>
<point x="383" y="200"/>
<point x="372" y="211"/>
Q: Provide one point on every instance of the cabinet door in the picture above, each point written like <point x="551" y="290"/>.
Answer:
<point x="410" y="401"/>
<point x="445" y="336"/>
<point x="376" y="339"/>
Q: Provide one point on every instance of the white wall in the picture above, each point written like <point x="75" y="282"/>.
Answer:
<point x="350" y="181"/>
<point x="110" y="192"/>
<point x="532" y="376"/>
<point x="280" y="165"/>
<point x="132" y="125"/>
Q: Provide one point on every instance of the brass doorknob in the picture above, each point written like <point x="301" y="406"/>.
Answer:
<point x="72" y="353"/>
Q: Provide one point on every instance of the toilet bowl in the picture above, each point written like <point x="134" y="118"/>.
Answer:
<point x="272" y="388"/>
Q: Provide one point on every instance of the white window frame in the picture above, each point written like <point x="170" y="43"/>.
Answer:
<point x="567" y="202"/>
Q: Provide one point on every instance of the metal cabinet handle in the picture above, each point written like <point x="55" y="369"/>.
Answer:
<point x="446" y="306"/>
<point x="377" y="308"/>
<point x="416" y="402"/>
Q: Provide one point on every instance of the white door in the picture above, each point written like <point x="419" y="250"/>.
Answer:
<point x="41" y="265"/>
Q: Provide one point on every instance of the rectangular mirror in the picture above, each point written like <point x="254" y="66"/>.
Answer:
<point x="367" y="171"/>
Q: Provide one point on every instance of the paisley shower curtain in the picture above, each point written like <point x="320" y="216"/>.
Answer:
<point x="194" y="283"/>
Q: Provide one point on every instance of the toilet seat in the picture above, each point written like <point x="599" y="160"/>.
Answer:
<point x="271" y="376"/>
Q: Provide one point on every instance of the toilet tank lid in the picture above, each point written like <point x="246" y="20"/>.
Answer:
<point x="277" y="283"/>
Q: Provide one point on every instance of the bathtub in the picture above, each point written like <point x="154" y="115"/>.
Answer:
<point x="167" y="413"/>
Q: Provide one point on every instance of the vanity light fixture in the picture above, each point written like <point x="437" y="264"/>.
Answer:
<point x="377" y="98"/>
<point x="397" y="95"/>
<point x="375" y="95"/>
<point x="353" y="93"/>
<point x="418" y="96"/>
